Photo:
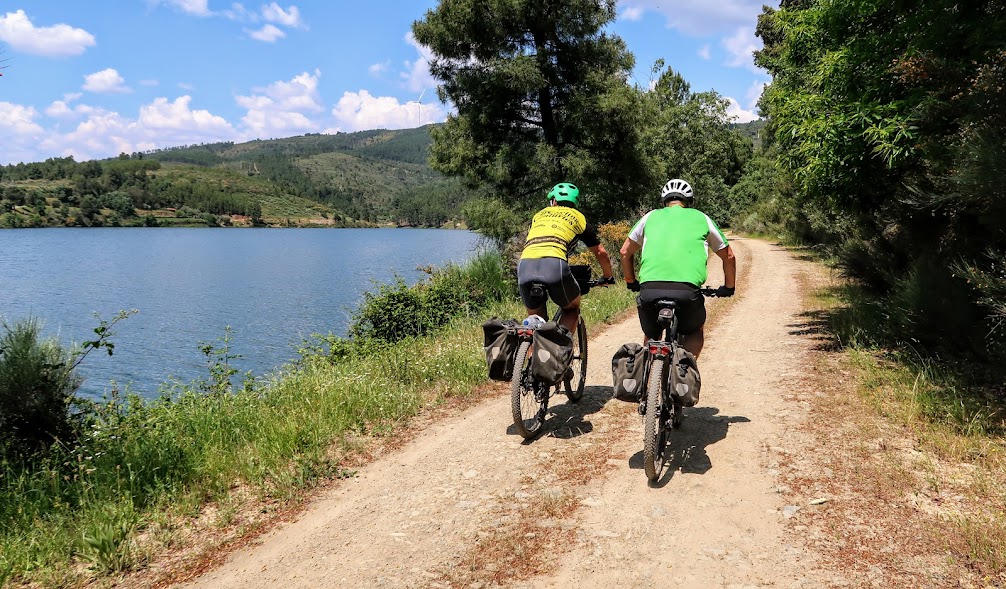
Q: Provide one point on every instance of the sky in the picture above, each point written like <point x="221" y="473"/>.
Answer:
<point x="95" y="78"/>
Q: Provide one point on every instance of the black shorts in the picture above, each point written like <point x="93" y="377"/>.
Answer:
<point x="691" y="307"/>
<point x="554" y="274"/>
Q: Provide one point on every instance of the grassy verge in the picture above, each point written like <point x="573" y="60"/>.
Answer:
<point x="954" y="466"/>
<point x="146" y="476"/>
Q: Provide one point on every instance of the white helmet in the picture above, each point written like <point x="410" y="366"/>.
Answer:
<point x="677" y="188"/>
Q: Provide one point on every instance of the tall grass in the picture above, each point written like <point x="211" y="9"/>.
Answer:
<point x="141" y="462"/>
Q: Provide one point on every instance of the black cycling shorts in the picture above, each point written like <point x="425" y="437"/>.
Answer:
<point x="691" y="307"/>
<point x="554" y="273"/>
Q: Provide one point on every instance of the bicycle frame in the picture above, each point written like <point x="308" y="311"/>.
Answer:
<point x="661" y="350"/>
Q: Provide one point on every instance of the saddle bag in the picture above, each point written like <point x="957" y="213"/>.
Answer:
<point x="685" y="380"/>
<point x="627" y="367"/>
<point x="500" y="343"/>
<point x="553" y="350"/>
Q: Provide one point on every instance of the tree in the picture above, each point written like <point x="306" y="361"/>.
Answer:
<point x="541" y="97"/>
<point x="688" y="135"/>
<point x="888" y="117"/>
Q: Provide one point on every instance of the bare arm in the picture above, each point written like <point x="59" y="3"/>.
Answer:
<point x="729" y="266"/>
<point x="628" y="251"/>
<point x="603" y="259"/>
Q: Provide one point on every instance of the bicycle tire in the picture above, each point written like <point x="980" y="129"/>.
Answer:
<point x="654" y="437"/>
<point x="575" y="384"/>
<point x="528" y="409"/>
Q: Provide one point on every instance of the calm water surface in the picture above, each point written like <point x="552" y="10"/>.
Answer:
<point x="273" y="287"/>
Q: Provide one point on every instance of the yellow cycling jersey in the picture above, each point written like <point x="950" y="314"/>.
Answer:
<point x="553" y="229"/>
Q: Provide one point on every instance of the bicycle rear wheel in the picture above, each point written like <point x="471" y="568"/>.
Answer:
<point x="577" y="374"/>
<point x="655" y="421"/>
<point x="527" y="405"/>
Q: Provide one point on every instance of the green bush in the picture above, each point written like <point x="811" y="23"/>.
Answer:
<point x="397" y="311"/>
<point x="37" y="387"/>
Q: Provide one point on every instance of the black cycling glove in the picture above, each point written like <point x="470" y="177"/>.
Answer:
<point x="606" y="281"/>
<point x="633" y="286"/>
<point x="725" y="291"/>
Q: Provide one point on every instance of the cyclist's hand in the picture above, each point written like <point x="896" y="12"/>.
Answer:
<point x="633" y="286"/>
<point x="725" y="291"/>
<point x="606" y="281"/>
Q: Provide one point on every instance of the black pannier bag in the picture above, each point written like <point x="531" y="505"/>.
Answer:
<point x="627" y="367"/>
<point x="552" y="352"/>
<point x="685" y="380"/>
<point x="500" y="339"/>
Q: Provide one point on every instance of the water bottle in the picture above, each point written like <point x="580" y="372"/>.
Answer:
<point x="533" y="321"/>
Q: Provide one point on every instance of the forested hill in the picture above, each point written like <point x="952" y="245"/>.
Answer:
<point x="347" y="179"/>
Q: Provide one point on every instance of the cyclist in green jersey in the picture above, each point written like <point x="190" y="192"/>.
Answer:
<point x="675" y="241"/>
<point x="545" y="257"/>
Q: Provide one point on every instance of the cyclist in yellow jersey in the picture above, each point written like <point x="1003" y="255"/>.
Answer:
<point x="545" y="257"/>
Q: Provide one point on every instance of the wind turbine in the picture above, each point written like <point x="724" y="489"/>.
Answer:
<point x="421" y="106"/>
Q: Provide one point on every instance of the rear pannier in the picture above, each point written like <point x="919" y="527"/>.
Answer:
<point x="552" y="352"/>
<point x="627" y="367"/>
<point x="500" y="347"/>
<point x="685" y="380"/>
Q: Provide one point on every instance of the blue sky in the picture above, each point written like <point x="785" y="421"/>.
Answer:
<point x="93" y="79"/>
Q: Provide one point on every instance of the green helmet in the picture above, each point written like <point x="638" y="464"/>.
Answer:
<point x="564" y="191"/>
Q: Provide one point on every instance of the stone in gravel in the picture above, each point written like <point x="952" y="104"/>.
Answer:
<point x="790" y="510"/>
<point x="471" y="474"/>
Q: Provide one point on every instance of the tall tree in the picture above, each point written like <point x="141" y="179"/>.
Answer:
<point x="688" y="135"/>
<point x="889" y="116"/>
<point x="541" y="97"/>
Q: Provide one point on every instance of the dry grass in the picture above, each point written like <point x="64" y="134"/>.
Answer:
<point x="912" y="502"/>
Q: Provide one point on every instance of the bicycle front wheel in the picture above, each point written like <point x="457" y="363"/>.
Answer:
<point x="576" y="376"/>
<point x="527" y="405"/>
<point x="654" y="422"/>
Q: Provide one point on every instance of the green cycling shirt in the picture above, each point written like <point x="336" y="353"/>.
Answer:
<point x="676" y="243"/>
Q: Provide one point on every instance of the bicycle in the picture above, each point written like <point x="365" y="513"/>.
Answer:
<point x="661" y="410"/>
<point x="528" y="396"/>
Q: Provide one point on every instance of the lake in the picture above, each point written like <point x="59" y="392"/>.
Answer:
<point x="272" y="287"/>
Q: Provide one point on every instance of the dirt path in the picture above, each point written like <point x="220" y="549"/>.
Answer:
<point x="451" y="507"/>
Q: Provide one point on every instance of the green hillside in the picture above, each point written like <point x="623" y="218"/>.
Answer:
<point x="347" y="179"/>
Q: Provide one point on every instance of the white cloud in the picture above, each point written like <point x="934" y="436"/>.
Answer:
<point x="278" y="110"/>
<point x="697" y="17"/>
<point x="20" y="133"/>
<point x="150" y="82"/>
<point x="356" y="111"/>
<point x="56" y="41"/>
<point x="741" y="47"/>
<point x="58" y="109"/>
<point x="238" y="12"/>
<point x="107" y="81"/>
<point x="378" y="69"/>
<point x="19" y="120"/>
<point x="754" y="93"/>
<point x="288" y="18"/>
<point x="162" y="123"/>
<point x="738" y="114"/>
<point x="632" y="13"/>
<point x="176" y="117"/>
<point x="193" y="7"/>
<point x="418" y="76"/>
<point x="704" y="52"/>
<point x="267" y="34"/>
<point x="187" y="87"/>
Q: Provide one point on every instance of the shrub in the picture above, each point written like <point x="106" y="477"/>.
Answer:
<point x="37" y="387"/>
<point x="612" y="236"/>
<point x="398" y="311"/>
